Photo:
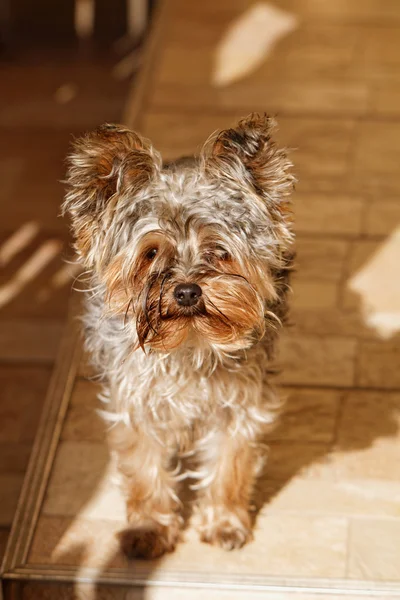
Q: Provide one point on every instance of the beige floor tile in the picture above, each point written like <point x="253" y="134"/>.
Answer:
<point x="321" y="260"/>
<point x="284" y="545"/>
<point x="14" y="456"/>
<point x="308" y="52"/>
<point x="325" y="496"/>
<point x="380" y="53"/>
<point x="368" y="437"/>
<point x="308" y="415"/>
<point x="82" y="483"/>
<point x="313" y="295"/>
<point x="374" y="550"/>
<point x="378" y="364"/>
<point x="76" y="542"/>
<point x="311" y="96"/>
<point x="82" y="422"/>
<point x="382" y="217"/>
<point x="377" y="155"/>
<point x="330" y="322"/>
<point x="302" y="459"/>
<point x="30" y="340"/>
<point x="323" y="145"/>
<point x="328" y="213"/>
<point x="361" y="253"/>
<point x="23" y="392"/>
<point x="366" y="416"/>
<point x="10" y="487"/>
<point x="385" y="98"/>
<point x="313" y="361"/>
<point x="317" y="548"/>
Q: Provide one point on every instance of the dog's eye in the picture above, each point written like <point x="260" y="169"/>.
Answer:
<point x="225" y="256"/>
<point x="150" y="254"/>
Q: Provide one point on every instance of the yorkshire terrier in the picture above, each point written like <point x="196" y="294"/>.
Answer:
<point x="188" y="264"/>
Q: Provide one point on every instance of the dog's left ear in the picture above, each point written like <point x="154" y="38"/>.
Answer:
<point x="247" y="156"/>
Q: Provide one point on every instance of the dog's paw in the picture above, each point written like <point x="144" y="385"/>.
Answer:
<point x="148" y="542"/>
<point x="226" y="529"/>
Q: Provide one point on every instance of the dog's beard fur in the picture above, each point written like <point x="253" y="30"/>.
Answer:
<point x="220" y="221"/>
<point x="228" y="316"/>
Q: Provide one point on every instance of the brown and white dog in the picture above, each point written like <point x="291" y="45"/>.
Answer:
<point x="188" y="267"/>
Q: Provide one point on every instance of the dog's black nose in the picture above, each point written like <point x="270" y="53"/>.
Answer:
<point x="187" y="294"/>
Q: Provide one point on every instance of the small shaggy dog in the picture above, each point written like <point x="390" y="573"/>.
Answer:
<point x="188" y="264"/>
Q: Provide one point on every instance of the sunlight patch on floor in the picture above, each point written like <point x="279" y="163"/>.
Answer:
<point x="378" y="285"/>
<point x="29" y="270"/>
<point x="19" y="240"/>
<point x="249" y="41"/>
<point x="62" y="277"/>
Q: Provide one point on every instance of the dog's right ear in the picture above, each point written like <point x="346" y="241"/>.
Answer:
<point x="104" y="165"/>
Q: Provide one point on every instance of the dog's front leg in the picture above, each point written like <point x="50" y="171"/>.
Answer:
<point x="227" y="470"/>
<point x="151" y="500"/>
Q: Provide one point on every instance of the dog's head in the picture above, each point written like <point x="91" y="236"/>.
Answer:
<point x="186" y="252"/>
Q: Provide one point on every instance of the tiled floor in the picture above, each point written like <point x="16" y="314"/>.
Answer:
<point x="35" y="132"/>
<point x="330" y="497"/>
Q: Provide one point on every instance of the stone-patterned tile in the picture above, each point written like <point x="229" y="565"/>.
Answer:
<point x="76" y="542"/>
<point x="374" y="549"/>
<point x="327" y="496"/>
<point x="382" y="216"/>
<point x="313" y="295"/>
<point x="23" y="392"/>
<point x="323" y="145"/>
<point x="317" y="549"/>
<point x="378" y="364"/>
<point x="313" y="53"/>
<point x="366" y="416"/>
<point x="361" y="253"/>
<point x="14" y="456"/>
<point x="368" y="437"/>
<point x="330" y="322"/>
<point x="10" y="487"/>
<point x="82" y="422"/>
<point x="385" y="98"/>
<point x="377" y="156"/>
<point x="308" y="415"/>
<point x="30" y="340"/>
<point x="313" y="96"/>
<point x="379" y="56"/>
<point x="82" y="483"/>
<point x="328" y="214"/>
<point x="313" y="361"/>
<point x="288" y="460"/>
<point x="321" y="260"/>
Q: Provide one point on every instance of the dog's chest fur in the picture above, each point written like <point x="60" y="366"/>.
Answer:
<point x="186" y="391"/>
